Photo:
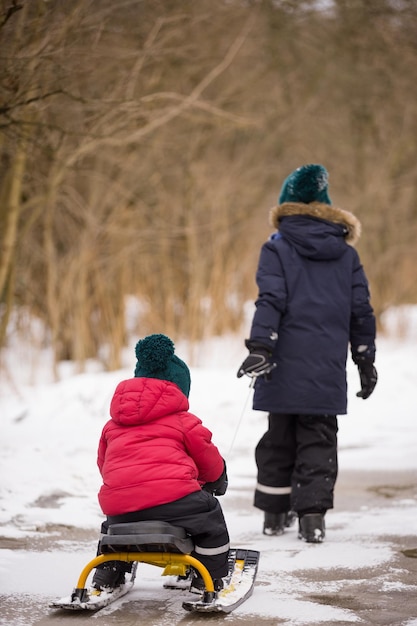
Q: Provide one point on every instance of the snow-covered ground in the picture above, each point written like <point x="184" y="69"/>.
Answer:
<point x="48" y="473"/>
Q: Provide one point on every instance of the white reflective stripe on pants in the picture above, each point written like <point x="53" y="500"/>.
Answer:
<point x="211" y="551"/>
<point x="279" y="491"/>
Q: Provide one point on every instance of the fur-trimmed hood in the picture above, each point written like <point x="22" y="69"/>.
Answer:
<point x="321" y="211"/>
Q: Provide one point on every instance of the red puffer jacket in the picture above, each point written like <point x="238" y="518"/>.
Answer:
<point x="153" y="451"/>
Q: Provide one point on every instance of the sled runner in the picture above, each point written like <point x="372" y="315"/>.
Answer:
<point x="169" y="547"/>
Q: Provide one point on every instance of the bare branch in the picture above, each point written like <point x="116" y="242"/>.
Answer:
<point x="200" y="104"/>
<point x="10" y="11"/>
<point x="6" y="109"/>
<point x="187" y="102"/>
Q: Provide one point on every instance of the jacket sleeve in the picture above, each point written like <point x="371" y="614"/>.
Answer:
<point x="272" y="297"/>
<point x="362" y="321"/>
<point x="101" y="453"/>
<point x="198" y="444"/>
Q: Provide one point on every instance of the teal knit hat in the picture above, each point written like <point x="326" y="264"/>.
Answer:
<point x="308" y="183"/>
<point x="156" y="359"/>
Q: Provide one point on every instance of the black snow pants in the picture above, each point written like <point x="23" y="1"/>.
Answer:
<point x="201" y="515"/>
<point x="297" y="463"/>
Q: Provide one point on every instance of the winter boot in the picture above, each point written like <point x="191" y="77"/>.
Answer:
<point x="108" y="576"/>
<point x="276" y="523"/>
<point x="311" y="527"/>
<point x="198" y="586"/>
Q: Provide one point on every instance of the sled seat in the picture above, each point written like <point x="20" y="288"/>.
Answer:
<point x="147" y="536"/>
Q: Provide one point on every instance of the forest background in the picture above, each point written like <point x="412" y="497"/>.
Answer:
<point x="143" y="142"/>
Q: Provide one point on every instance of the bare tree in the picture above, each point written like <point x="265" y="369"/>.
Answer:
<point x="144" y="142"/>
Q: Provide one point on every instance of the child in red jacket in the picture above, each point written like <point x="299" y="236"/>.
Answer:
<point x="158" y="462"/>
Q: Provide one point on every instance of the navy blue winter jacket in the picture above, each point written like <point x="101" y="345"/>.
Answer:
<point x="313" y="300"/>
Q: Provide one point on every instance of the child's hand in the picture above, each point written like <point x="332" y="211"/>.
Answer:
<point x="219" y="486"/>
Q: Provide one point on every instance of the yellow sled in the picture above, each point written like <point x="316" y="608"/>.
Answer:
<point x="166" y="546"/>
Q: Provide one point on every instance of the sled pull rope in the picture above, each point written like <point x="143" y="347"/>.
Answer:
<point x="252" y="383"/>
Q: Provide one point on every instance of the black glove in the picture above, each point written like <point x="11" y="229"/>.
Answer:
<point x="368" y="376"/>
<point x="219" y="486"/>
<point x="258" y="363"/>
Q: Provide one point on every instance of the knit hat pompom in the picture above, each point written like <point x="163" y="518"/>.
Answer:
<point x="308" y="183"/>
<point x="156" y="359"/>
<point x="154" y="352"/>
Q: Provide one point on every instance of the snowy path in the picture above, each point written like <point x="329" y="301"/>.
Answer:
<point x="49" y="483"/>
<point x="359" y="575"/>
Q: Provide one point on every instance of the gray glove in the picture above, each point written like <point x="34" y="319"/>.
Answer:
<point x="258" y="363"/>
